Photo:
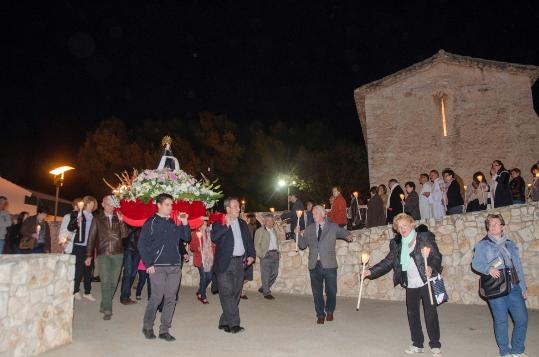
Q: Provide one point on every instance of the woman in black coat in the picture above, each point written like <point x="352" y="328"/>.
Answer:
<point x="410" y="272"/>
<point x="502" y="192"/>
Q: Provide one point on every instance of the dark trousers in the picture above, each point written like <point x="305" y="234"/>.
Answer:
<point x="142" y="278"/>
<point x="131" y="259"/>
<point x="319" y="278"/>
<point x="165" y="284"/>
<point x="205" y="280"/>
<point x="414" y="297"/>
<point x="81" y="270"/>
<point x="269" y="269"/>
<point x="454" y="210"/>
<point x="230" y="284"/>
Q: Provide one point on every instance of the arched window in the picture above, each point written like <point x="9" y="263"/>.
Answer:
<point x="440" y="99"/>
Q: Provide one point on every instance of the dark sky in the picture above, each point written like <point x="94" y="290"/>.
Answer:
<point x="68" y="64"/>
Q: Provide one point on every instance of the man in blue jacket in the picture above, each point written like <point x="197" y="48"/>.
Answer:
<point x="159" y="250"/>
<point x="235" y="252"/>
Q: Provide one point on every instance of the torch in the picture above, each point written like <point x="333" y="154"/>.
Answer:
<point x="364" y="260"/>
<point x="299" y="213"/>
<point x="80" y="205"/>
<point x="425" y="251"/>
<point x="402" y="201"/>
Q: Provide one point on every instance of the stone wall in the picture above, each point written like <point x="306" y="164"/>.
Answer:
<point x="36" y="303"/>
<point x="456" y="237"/>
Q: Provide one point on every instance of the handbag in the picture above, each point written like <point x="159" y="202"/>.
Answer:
<point x="491" y="288"/>
<point x="438" y="289"/>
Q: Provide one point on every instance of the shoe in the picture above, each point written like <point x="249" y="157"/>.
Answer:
<point x="167" y="337"/>
<point x="224" y="328"/>
<point x="236" y="329"/>
<point x="128" y="301"/>
<point x="138" y="297"/>
<point x="96" y="279"/>
<point x="519" y="355"/>
<point x="88" y="297"/>
<point x="101" y="310"/>
<point x="320" y="320"/>
<point x="149" y="334"/>
<point x="107" y="316"/>
<point x="329" y="317"/>
<point x="261" y="291"/>
<point x="413" y="349"/>
<point x="269" y="297"/>
<point x="436" y="352"/>
<point x="244" y="297"/>
<point x="77" y="296"/>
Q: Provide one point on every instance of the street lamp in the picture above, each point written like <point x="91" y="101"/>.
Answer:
<point x="59" y="182"/>
<point x="283" y="183"/>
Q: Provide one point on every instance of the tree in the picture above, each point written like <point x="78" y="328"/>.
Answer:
<point x="105" y="152"/>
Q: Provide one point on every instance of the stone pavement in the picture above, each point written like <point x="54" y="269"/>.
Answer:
<point x="283" y="327"/>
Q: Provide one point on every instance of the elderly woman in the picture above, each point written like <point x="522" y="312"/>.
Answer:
<point x="410" y="272"/>
<point x="492" y="253"/>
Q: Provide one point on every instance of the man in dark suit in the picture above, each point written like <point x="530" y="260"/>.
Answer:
<point x="234" y="252"/>
<point x="394" y="204"/>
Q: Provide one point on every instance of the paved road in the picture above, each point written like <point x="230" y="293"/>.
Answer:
<point x="283" y="327"/>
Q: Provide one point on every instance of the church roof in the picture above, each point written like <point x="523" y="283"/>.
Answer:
<point x="445" y="57"/>
<point x="440" y="57"/>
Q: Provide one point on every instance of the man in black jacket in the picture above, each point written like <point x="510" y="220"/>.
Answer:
<point x="394" y="205"/>
<point x="235" y="252"/>
<point x="159" y="250"/>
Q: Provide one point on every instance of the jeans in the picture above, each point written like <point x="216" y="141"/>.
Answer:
<point x="81" y="269"/>
<point x="414" y="297"/>
<point x="131" y="259"/>
<point x="205" y="280"/>
<point x="165" y="281"/>
<point x="319" y="277"/>
<point x="110" y="267"/>
<point x="142" y="278"/>
<point x="501" y="308"/>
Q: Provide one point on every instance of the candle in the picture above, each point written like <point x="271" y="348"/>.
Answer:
<point x="299" y="213"/>
<point x="80" y="205"/>
<point x="479" y="178"/>
<point x="356" y="195"/>
<point x="364" y="260"/>
<point x="425" y="251"/>
<point x="402" y="200"/>
<point x="38" y="229"/>
<point x="272" y="210"/>
<point x="529" y="190"/>
<point x="242" y="206"/>
<point x="465" y="197"/>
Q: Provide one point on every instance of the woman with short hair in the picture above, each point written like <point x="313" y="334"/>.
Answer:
<point x="491" y="254"/>
<point x="409" y="270"/>
<point x="502" y="191"/>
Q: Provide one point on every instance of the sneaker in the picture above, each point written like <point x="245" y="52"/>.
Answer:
<point x="138" y="297"/>
<point x="436" y="352"/>
<point x="77" y="296"/>
<point x="413" y="349"/>
<point x="88" y="297"/>
<point x="519" y="355"/>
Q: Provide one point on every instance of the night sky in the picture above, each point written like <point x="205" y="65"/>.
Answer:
<point x="68" y="64"/>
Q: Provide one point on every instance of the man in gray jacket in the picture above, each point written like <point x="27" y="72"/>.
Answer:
<point x="267" y="249"/>
<point x="321" y="238"/>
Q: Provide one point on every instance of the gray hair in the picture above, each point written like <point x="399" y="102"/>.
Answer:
<point x="320" y="208"/>
<point x="228" y="200"/>
<point x="109" y="200"/>
<point x="269" y="215"/>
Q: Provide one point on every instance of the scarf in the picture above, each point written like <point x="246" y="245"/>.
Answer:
<point x="405" y="249"/>
<point x="506" y="254"/>
<point x="206" y="251"/>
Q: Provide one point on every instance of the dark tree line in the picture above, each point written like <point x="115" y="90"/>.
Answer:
<point x="247" y="158"/>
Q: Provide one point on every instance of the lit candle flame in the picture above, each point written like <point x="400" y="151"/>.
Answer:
<point x="272" y="210"/>
<point x="465" y="187"/>
<point x="356" y="194"/>
<point x="80" y="204"/>
<point x="402" y="196"/>
<point x="365" y="257"/>
<point x="480" y="178"/>
<point x="299" y="213"/>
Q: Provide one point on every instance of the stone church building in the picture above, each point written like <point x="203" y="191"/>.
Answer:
<point x="449" y="111"/>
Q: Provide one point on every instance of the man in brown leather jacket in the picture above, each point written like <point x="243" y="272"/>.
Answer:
<point x="105" y="238"/>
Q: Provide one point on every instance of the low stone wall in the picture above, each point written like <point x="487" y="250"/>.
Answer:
<point x="456" y="237"/>
<point x="36" y="303"/>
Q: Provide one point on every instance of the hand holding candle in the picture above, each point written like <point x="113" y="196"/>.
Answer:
<point x="365" y="257"/>
<point x="80" y="205"/>
<point x="425" y="251"/>
<point x="299" y="213"/>
<point x="402" y="201"/>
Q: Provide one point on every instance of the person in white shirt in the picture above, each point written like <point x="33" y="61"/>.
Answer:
<point x="5" y="222"/>
<point x="437" y="195"/>
<point x="267" y="249"/>
<point x="425" y="206"/>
